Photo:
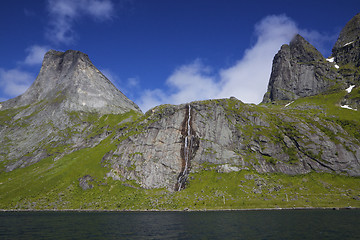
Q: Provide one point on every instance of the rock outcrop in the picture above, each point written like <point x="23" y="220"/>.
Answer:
<point x="299" y="70"/>
<point x="347" y="47"/>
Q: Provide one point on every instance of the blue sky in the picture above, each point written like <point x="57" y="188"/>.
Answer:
<point x="165" y="51"/>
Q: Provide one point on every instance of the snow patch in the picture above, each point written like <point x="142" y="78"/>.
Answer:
<point x="289" y="104"/>
<point x="348" y="43"/>
<point x="348" y="107"/>
<point x="332" y="60"/>
<point x="349" y="89"/>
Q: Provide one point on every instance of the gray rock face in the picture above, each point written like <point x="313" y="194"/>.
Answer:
<point x="349" y="53"/>
<point x="346" y="49"/>
<point x="70" y="78"/>
<point x="47" y="115"/>
<point x="299" y="70"/>
<point x="232" y="136"/>
<point x="85" y="182"/>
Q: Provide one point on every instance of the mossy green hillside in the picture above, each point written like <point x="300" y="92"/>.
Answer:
<point x="206" y="189"/>
<point x="54" y="184"/>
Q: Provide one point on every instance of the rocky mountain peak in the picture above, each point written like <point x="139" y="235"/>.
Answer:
<point x="70" y="77"/>
<point x="350" y="33"/>
<point x="299" y="70"/>
<point x="347" y="47"/>
<point x="302" y="51"/>
<point x="68" y="89"/>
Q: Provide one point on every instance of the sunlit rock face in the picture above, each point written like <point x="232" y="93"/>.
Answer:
<point x="71" y="78"/>
<point x="232" y="136"/>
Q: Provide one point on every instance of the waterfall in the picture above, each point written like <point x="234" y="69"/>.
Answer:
<point x="188" y="138"/>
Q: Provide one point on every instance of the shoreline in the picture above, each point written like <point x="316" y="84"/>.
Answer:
<point x="185" y="210"/>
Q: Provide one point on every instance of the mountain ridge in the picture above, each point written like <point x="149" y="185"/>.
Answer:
<point x="307" y="125"/>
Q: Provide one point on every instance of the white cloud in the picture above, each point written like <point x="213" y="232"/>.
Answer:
<point x="247" y="79"/>
<point x="133" y="82"/>
<point x="35" y="54"/>
<point x="14" y="82"/>
<point x="152" y="98"/>
<point x="64" y="12"/>
<point x="187" y="83"/>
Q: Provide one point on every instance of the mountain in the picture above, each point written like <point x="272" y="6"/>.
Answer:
<point x="346" y="48"/>
<point x="40" y="120"/>
<point x="300" y="70"/>
<point x="73" y="141"/>
<point x="72" y="80"/>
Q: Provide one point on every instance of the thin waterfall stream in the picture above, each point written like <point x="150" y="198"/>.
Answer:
<point x="186" y="151"/>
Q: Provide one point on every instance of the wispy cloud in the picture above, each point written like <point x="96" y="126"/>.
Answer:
<point x="14" y="82"/>
<point x="187" y="83"/>
<point x="133" y="82"/>
<point x="63" y="13"/>
<point x="35" y="54"/>
<point x="248" y="78"/>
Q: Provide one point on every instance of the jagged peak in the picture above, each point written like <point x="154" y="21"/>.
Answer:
<point x="298" y="39"/>
<point x="303" y="51"/>
<point x="350" y="33"/>
<point x="299" y="70"/>
<point x="67" y="56"/>
<point x="72" y="76"/>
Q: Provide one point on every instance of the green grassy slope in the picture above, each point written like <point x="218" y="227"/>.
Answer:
<point x="51" y="184"/>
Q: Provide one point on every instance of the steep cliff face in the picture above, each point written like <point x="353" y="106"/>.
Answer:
<point x="52" y="113"/>
<point x="232" y="136"/>
<point x="299" y="70"/>
<point x="347" y="47"/>
<point x="346" y="52"/>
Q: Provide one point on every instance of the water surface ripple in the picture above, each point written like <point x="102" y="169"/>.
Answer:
<point x="284" y="224"/>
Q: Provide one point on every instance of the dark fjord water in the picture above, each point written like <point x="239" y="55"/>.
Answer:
<point x="284" y="224"/>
